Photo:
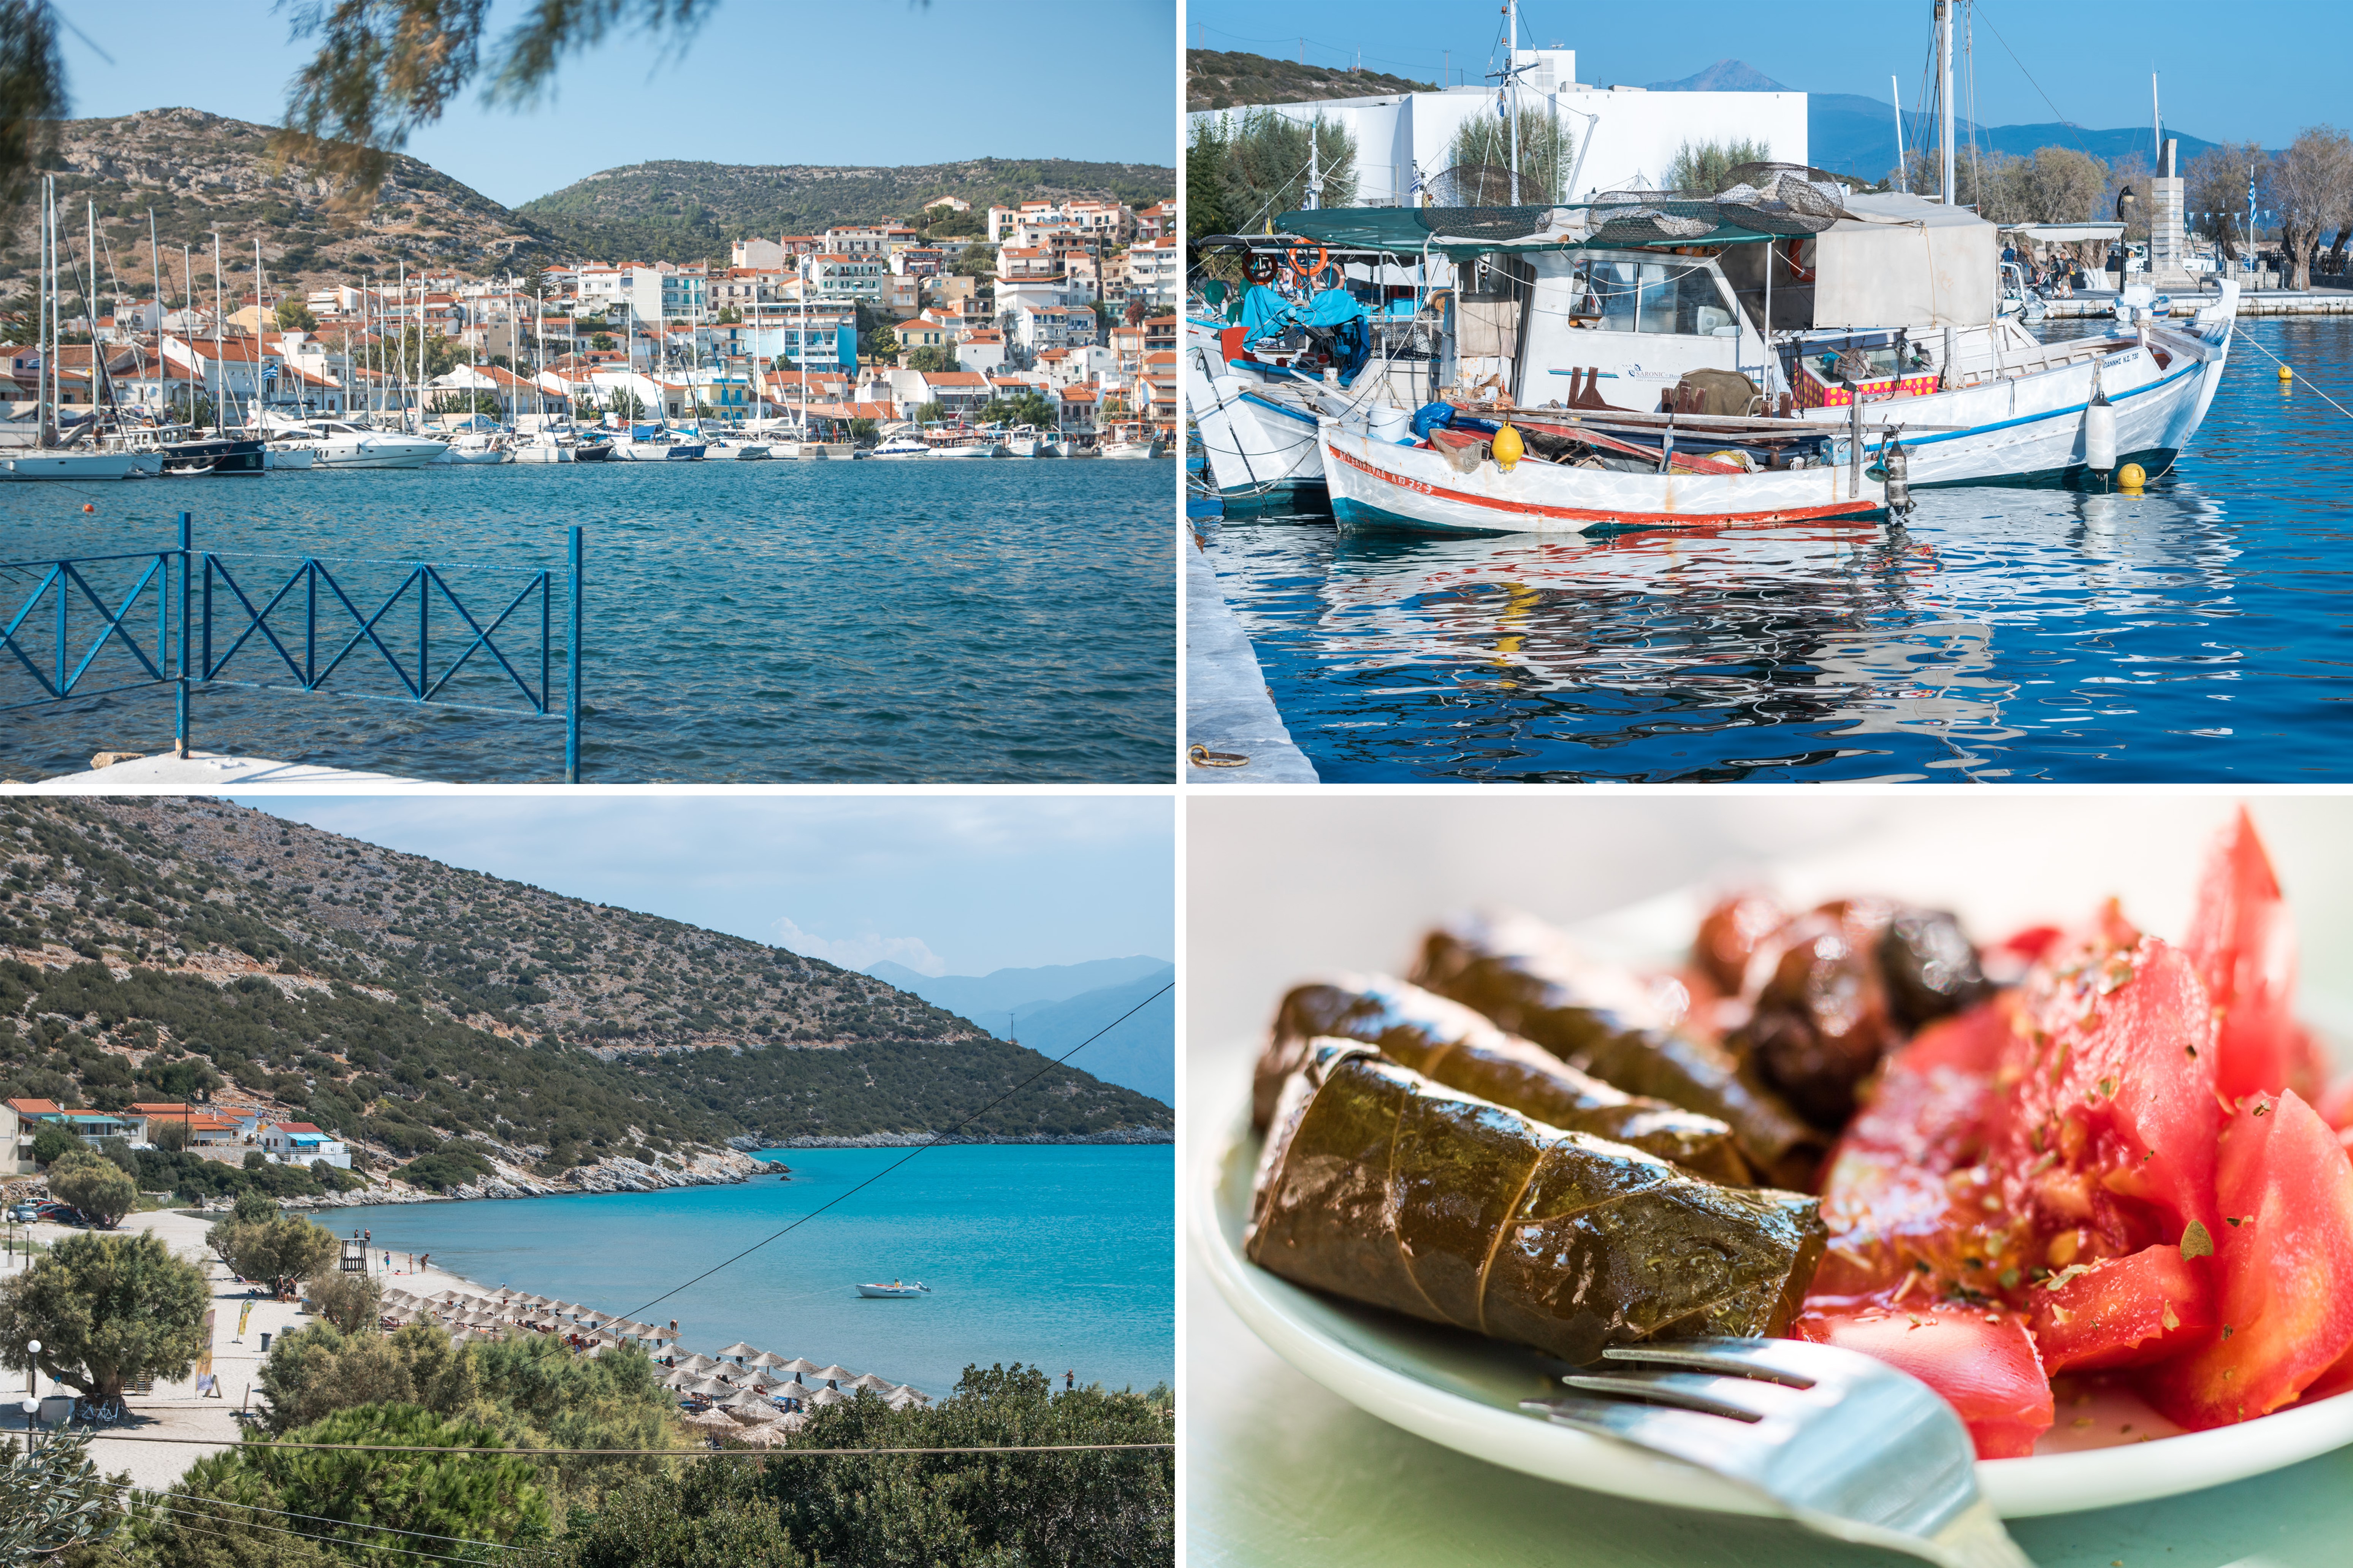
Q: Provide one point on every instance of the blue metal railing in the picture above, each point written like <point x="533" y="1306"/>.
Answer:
<point x="237" y="612"/>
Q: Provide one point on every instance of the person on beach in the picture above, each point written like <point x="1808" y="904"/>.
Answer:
<point x="1069" y="1382"/>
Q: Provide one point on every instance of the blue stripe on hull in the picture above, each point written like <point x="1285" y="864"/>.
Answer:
<point x="1361" y="514"/>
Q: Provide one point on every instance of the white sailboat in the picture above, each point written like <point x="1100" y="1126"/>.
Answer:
<point x="48" y="460"/>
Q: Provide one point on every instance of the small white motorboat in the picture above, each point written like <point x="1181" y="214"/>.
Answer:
<point x="903" y="446"/>
<point x="895" y="1291"/>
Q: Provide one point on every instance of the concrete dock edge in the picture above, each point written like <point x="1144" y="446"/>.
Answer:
<point x="1226" y="707"/>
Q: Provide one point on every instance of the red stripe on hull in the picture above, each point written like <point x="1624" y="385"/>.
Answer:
<point x="1786" y="514"/>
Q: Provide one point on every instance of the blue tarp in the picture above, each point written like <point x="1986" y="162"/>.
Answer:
<point x="1334" y="308"/>
<point x="1431" y="417"/>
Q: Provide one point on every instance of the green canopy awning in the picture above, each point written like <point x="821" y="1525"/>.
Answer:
<point x="1463" y="232"/>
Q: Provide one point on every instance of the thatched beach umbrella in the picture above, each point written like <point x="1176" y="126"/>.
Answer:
<point x="897" y="1401"/>
<point x="878" y="1384"/>
<point x="737" y="1352"/>
<point x="790" y="1421"/>
<point x="797" y="1367"/>
<point x="832" y="1374"/>
<point x="765" y="1359"/>
<point x="711" y="1388"/>
<point x="910" y="1392"/>
<point x="696" y="1363"/>
<point x="829" y="1396"/>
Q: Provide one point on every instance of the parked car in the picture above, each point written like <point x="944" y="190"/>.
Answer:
<point x="25" y="1214"/>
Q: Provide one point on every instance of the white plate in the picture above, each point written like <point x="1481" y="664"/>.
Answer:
<point x="1460" y="1390"/>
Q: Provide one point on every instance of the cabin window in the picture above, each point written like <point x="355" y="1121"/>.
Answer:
<point x="1665" y="297"/>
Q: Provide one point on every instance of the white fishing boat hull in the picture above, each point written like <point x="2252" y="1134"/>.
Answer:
<point x="1261" y="444"/>
<point x="2028" y="428"/>
<point x="1133" y="449"/>
<point x="1023" y="449"/>
<point x="978" y="450"/>
<point x="542" y="452"/>
<point x="892" y="1292"/>
<point x="484" y="455"/>
<point x="74" y="466"/>
<point x="1376" y="483"/>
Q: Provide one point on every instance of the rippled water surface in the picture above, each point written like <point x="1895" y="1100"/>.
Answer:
<point x="1003" y="622"/>
<point x="1059" y="1256"/>
<point x="2199" y="631"/>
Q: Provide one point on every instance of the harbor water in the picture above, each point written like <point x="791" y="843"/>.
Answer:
<point x="1060" y="1256"/>
<point x="2196" y="632"/>
<point x="986" y="622"/>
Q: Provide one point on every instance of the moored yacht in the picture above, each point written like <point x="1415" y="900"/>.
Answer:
<point x="339" y="443"/>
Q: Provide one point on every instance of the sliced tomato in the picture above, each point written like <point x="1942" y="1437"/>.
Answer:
<point x="2285" y="1256"/>
<point x="1980" y="1360"/>
<point x="1889" y="1197"/>
<point x="2243" y="941"/>
<point x="2124" y="1312"/>
<point x="2109" y="1144"/>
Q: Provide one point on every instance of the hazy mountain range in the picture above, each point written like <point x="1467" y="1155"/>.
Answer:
<point x="1851" y="133"/>
<point x="1051" y="1009"/>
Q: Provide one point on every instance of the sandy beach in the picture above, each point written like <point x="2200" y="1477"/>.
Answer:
<point x="174" y="1409"/>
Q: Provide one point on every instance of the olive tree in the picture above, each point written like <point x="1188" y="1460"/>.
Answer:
<point x="276" y="1252"/>
<point x="2312" y="189"/>
<point x="53" y="1499"/>
<point x="96" y="1185"/>
<point x="107" y="1309"/>
<point x="354" y="1302"/>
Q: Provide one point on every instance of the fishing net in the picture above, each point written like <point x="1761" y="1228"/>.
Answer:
<point x="1481" y="185"/>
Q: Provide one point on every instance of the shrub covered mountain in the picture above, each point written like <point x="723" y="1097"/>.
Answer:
<point x="677" y="211"/>
<point x="1218" y="78"/>
<point x="203" y="171"/>
<point x="176" y="948"/>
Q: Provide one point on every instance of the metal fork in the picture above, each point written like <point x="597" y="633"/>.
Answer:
<point x="1851" y="1446"/>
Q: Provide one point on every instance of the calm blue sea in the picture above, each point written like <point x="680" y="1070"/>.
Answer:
<point x="1061" y="1256"/>
<point x="1007" y="622"/>
<point x="2201" y="631"/>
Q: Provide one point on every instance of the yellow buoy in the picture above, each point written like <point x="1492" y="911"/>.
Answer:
<point x="2130" y="478"/>
<point x="1507" y="447"/>
<point x="2286" y="375"/>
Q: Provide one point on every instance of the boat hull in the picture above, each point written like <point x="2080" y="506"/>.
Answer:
<point x="536" y="452"/>
<point x="892" y="1292"/>
<point x="289" y="458"/>
<point x="71" y="466"/>
<point x="364" y="454"/>
<point x="1258" y="447"/>
<point x="1379" y="484"/>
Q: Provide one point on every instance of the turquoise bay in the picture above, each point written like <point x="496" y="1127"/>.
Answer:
<point x="1063" y="1257"/>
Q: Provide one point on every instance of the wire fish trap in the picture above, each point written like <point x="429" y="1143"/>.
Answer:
<point x="1784" y="204"/>
<point x="1638" y="224"/>
<point x="1481" y="185"/>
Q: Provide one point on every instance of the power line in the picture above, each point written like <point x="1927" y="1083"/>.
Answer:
<point x="642" y="1453"/>
<point x="919" y="1149"/>
<point x="323" y="1518"/>
<point x="308" y="1535"/>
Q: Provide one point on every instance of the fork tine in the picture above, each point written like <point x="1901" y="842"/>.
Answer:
<point x="1737" y="1398"/>
<point x="1772" y="1361"/>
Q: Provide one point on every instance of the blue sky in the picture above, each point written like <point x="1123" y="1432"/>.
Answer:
<point x="2219" y="80"/>
<point x="763" y="81"/>
<point x="955" y="885"/>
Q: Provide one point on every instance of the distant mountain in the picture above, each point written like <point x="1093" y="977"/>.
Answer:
<point x="986" y="999"/>
<point x="1216" y="78"/>
<point x="674" y="210"/>
<point x="1851" y="133"/>
<point x="1724" y="76"/>
<point x="1139" y="1054"/>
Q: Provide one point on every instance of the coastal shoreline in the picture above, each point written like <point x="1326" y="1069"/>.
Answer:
<point x="735" y="1172"/>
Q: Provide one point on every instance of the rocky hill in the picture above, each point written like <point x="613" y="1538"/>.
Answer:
<point x="202" y="172"/>
<point x="678" y="211"/>
<point x="1216" y="78"/>
<point x="462" y="1026"/>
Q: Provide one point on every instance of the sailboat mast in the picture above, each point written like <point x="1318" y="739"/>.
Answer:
<point x="1945" y="94"/>
<point x="220" y="371"/>
<point x="155" y="263"/>
<point x="1895" y="92"/>
<point x="41" y="317"/>
<point x="258" y="398"/>
<point x="1512" y="88"/>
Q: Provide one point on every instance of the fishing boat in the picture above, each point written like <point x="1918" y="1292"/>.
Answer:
<point x="1022" y="441"/>
<point x="895" y="1291"/>
<point x="544" y="446"/>
<point x="964" y="444"/>
<point x="654" y="444"/>
<point x="1526" y="474"/>
<point x="1130" y="441"/>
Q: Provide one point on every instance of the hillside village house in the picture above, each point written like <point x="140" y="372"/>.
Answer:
<point x="842" y="275"/>
<point x="1041" y="327"/>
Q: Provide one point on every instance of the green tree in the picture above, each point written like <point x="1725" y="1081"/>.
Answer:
<point x="932" y="358"/>
<point x="976" y="262"/>
<point x="53" y="1142"/>
<point x="1209" y="207"/>
<point x="294" y="316"/>
<point x="253" y="1208"/>
<point x="1547" y="154"/>
<point x="883" y="345"/>
<point x="96" y="1185"/>
<point x="1030" y="408"/>
<point x="1267" y="158"/>
<point x="317" y="1371"/>
<point x="602" y="343"/>
<point x="32" y="94"/>
<point x="728" y="316"/>
<point x="53" y="1501"/>
<point x="710" y="1513"/>
<point x="465" y="403"/>
<point x="352" y="1302"/>
<point x="932" y="413"/>
<point x="107" y="1309"/>
<point x="354" y="1498"/>
<point x="170" y="1136"/>
<point x="1706" y="167"/>
<point x="276" y="1252"/>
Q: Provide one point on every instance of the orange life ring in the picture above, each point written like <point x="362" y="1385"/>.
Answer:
<point x="1800" y="273"/>
<point x="1322" y="257"/>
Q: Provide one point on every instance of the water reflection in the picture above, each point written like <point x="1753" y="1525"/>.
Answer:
<point x="1999" y="632"/>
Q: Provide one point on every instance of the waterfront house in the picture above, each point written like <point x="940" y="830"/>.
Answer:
<point x="1077" y="409"/>
<point x="300" y="1143"/>
<point x="92" y="1127"/>
<point x="843" y="274"/>
<point x="1039" y="327"/>
<point x="981" y="349"/>
<point x="19" y="1122"/>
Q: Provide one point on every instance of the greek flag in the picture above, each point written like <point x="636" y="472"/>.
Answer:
<point x="269" y="374"/>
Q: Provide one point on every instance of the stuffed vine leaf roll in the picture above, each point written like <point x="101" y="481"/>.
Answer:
<point x="1455" y="1045"/>
<point x="1383" y="1187"/>
<point x="1531" y="980"/>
